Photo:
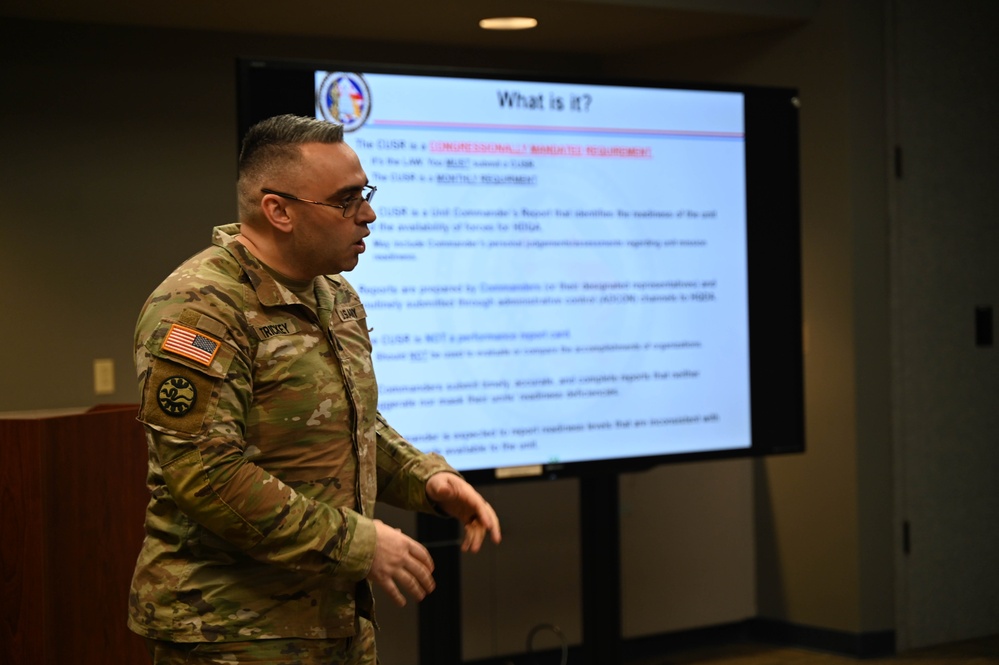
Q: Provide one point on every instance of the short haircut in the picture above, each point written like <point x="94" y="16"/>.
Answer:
<point x="272" y="146"/>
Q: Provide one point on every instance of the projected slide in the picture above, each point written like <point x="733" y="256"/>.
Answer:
<point x="557" y="272"/>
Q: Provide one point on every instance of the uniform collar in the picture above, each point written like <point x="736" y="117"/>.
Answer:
<point x="269" y="291"/>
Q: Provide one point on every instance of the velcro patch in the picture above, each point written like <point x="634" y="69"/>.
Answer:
<point x="351" y="312"/>
<point x="177" y="398"/>
<point x="276" y="328"/>
<point x="191" y="344"/>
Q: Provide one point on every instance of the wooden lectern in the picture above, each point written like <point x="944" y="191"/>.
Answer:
<point x="72" y="500"/>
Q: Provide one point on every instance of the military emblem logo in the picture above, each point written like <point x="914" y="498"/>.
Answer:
<point x="176" y="396"/>
<point x="344" y="98"/>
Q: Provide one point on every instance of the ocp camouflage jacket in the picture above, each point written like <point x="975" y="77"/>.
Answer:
<point x="266" y="455"/>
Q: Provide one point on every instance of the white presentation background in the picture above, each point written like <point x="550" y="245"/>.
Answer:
<point x="557" y="272"/>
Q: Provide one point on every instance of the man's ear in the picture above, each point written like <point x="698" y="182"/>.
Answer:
<point x="274" y="210"/>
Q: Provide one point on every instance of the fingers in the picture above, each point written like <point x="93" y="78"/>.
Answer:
<point x="460" y="500"/>
<point x="405" y="584"/>
<point x="475" y="533"/>
<point x="414" y="578"/>
<point x="492" y="523"/>
<point x="421" y="554"/>
<point x="484" y="522"/>
<point x="401" y="566"/>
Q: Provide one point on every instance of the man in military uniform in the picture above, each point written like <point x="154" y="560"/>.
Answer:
<point x="266" y="449"/>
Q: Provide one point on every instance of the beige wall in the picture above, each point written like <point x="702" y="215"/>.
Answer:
<point x="118" y="157"/>
<point x="824" y="519"/>
<point x="945" y="100"/>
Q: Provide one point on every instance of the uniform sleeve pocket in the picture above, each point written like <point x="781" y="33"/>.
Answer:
<point x="183" y="382"/>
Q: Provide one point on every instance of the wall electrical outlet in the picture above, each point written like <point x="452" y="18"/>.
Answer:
<point x="103" y="376"/>
<point x="983" y="325"/>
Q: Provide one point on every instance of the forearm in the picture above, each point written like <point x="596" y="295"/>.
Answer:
<point x="254" y="512"/>
<point x="403" y="471"/>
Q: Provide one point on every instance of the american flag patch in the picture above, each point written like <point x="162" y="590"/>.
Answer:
<point x="191" y="344"/>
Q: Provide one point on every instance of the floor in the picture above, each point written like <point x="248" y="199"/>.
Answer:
<point x="975" y="652"/>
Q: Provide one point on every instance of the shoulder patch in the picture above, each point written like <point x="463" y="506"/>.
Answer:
<point x="191" y="344"/>
<point x="176" y="396"/>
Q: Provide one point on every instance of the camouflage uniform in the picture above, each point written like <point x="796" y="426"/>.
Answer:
<point x="266" y="456"/>
<point x="359" y="650"/>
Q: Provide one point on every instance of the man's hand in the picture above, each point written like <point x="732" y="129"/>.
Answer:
<point x="460" y="500"/>
<point x="401" y="566"/>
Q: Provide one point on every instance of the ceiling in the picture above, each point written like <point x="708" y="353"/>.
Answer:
<point x="568" y="26"/>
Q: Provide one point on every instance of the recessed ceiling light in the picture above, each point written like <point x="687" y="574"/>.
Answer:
<point x="508" y="23"/>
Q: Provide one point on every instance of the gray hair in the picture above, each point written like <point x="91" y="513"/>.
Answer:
<point x="272" y="146"/>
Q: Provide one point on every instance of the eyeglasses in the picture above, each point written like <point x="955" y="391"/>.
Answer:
<point x="349" y="208"/>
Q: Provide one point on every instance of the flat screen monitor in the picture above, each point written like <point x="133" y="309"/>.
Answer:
<point x="569" y="276"/>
